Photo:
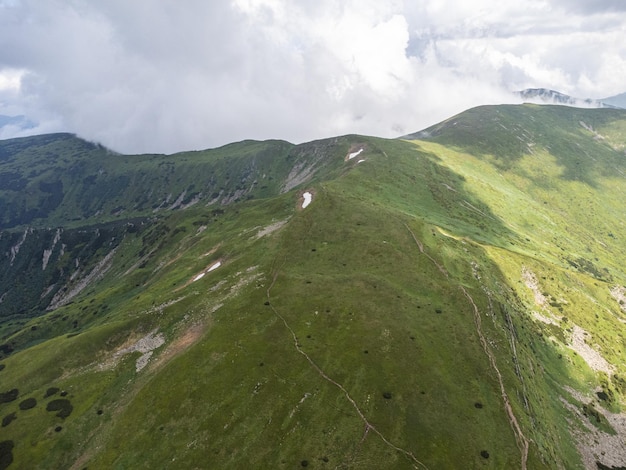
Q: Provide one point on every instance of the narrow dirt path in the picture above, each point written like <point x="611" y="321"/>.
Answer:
<point x="522" y="441"/>
<point x="368" y="426"/>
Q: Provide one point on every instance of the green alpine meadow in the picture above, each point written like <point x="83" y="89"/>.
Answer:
<point x="455" y="298"/>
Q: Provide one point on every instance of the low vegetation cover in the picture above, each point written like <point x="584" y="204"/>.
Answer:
<point x="453" y="298"/>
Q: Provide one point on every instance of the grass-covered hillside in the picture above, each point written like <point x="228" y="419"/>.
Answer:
<point x="453" y="301"/>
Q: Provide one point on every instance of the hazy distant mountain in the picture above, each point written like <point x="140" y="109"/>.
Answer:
<point x="618" y="101"/>
<point x="20" y="121"/>
<point x="546" y="96"/>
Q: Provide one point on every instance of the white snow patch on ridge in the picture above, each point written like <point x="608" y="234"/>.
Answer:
<point x="355" y="154"/>
<point x="211" y="268"/>
<point x="308" y="197"/>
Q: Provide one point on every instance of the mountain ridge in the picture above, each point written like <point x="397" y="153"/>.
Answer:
<point x="449" y="297"/>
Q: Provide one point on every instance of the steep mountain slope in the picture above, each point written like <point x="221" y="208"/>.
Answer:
<point x="67" y="204"/>
<point x="451" y="301"/>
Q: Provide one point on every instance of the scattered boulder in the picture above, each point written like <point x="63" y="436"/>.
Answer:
<point x="484" y="454"/>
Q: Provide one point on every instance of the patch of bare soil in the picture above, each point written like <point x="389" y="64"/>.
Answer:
<point x="595" y="445"/>
<point x="592" y="357"/>
<point x="530" y="280"/>
<point x="271" y="228"/>
<point x="64" y="297"/>
<point x="299" y="174"/>
<point x="619" y="294"/>
<point x="189" y="337"/>
<point x="145" y="345"/>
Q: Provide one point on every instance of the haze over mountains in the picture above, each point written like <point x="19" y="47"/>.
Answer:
<point x="452" y="299"/>
<point x="18" y="126"/>
<point x="545" y="96"/>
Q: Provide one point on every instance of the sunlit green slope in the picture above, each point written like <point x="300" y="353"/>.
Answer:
<point x="449" y="302"/>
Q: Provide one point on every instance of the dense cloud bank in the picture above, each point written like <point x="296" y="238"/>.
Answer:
<point x="146" y="76"/>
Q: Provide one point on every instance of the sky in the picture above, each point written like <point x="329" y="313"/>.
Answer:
<point x="163" y="76"/>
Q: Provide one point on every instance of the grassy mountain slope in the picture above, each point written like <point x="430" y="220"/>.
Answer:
<point x="441" y="302"/>
<point x="65" y="204"/>
<point x="60" y="179"/>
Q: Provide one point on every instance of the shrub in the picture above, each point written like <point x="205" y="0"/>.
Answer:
<point x="6" y="454"/>
<point x="28" y="404"/>
<point x="6" y="397"/>
<point x="63" y="406"/>
<point x="602" y="395"/>
<point x="51" y="391"/>
<point x="8" y="419"/>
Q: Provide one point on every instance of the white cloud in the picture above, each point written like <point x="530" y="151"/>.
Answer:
<point x="156" y="76"/>
<point x="11" y="80"/>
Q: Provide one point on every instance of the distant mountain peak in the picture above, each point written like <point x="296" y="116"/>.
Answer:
<point x="547" y="96"/>
<point x="21" y="122"/>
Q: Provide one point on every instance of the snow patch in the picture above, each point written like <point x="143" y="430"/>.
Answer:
<point x="355" y="154"/>
<point x="214" y="266"/>
<point x="308" y="197"/>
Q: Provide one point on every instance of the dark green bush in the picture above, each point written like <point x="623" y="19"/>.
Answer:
<point x="8" y="419"/>
<point x="28" y="404"/>
<point x="6" y="397"/>
<point x="51" y="391"/>
<point x="6" y="454"/>
<point x="63" y="406"/>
